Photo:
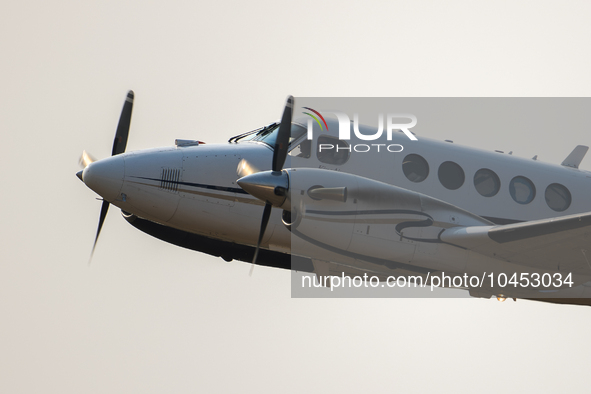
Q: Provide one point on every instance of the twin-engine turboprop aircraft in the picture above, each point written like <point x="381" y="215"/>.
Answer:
<point x="293" y="195"/>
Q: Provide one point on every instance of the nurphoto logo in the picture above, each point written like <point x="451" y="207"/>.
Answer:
<point x="345" y="130"/>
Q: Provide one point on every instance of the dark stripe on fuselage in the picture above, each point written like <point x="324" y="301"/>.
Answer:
<point x="498" y="221"/>
<point x="200" y="185"/>
<point x="371" y="212"/>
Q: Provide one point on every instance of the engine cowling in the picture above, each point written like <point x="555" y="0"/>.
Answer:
<point x="359" y="216"/>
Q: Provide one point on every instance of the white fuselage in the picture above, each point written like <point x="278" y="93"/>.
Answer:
<point x="194" y="189"/>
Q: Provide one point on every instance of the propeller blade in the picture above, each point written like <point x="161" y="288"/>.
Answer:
<point x="86" y="159"/>
<point x="279" y="156"/>
<point x="245" y="168"/>
<point x="282" y="141"/>
<point x="103" y="215"/>
<point x="122" y="133"/>
<point x="119" y="145"/>
<point x="264" y="221"/>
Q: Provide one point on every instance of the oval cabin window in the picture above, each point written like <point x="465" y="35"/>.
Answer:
<point x="487" y="182"/>
<point x="451" y="175"/>
<point x="522" y="190"/>
<point x="415" y="168"/>
<point x="558" y="197"/>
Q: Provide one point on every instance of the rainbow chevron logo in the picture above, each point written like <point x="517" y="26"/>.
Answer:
<point x="315" y="118"/>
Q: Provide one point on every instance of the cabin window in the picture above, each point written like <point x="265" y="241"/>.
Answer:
<point x="487" y="182"/>
<point x="415" y="168"/>
<point x="331" y="150"/>
<point x="522" y="190"/>
<point x="558" y="197"/>
<point x="451" y="175"/>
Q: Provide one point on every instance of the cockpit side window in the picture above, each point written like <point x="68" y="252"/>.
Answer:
<point x="297" y="131"/>
<point x="303" y="149"/>
<point x="268" y="134"/>
<point x="249" y="135"/>
<point x="299" y="146"/>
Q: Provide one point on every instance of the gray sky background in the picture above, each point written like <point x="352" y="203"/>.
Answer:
<point x="150" y="317"/>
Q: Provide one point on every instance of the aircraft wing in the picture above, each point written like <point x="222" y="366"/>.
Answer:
<point x="562" y="243"/>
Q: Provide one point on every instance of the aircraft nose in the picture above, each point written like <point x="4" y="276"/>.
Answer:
<point x="105" y="176"/>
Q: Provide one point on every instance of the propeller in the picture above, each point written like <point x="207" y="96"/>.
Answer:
<point x="122" y="133"/>
<point x="85" y="160"/>
<point x="264" y="222"/>
<point x="256" y="183"/>
<point x="282" y="141"/>
<point x="119" y="144"/>
<point x="102" y="216"/>
<point x="245" y="168"/>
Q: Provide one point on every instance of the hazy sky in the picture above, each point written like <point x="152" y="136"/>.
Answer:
<point x="148" y="317"/>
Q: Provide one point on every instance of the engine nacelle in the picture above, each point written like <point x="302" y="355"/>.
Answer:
<point x="360" y="217"/>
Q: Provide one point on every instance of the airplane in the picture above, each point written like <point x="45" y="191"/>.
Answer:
<point x="293" y="195"/>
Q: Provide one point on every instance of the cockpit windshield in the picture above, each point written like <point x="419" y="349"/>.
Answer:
<point x="268" y="134"/>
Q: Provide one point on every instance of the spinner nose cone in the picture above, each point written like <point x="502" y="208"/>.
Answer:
<point x="105" y="176"/>
<point x="268" y="186"/>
